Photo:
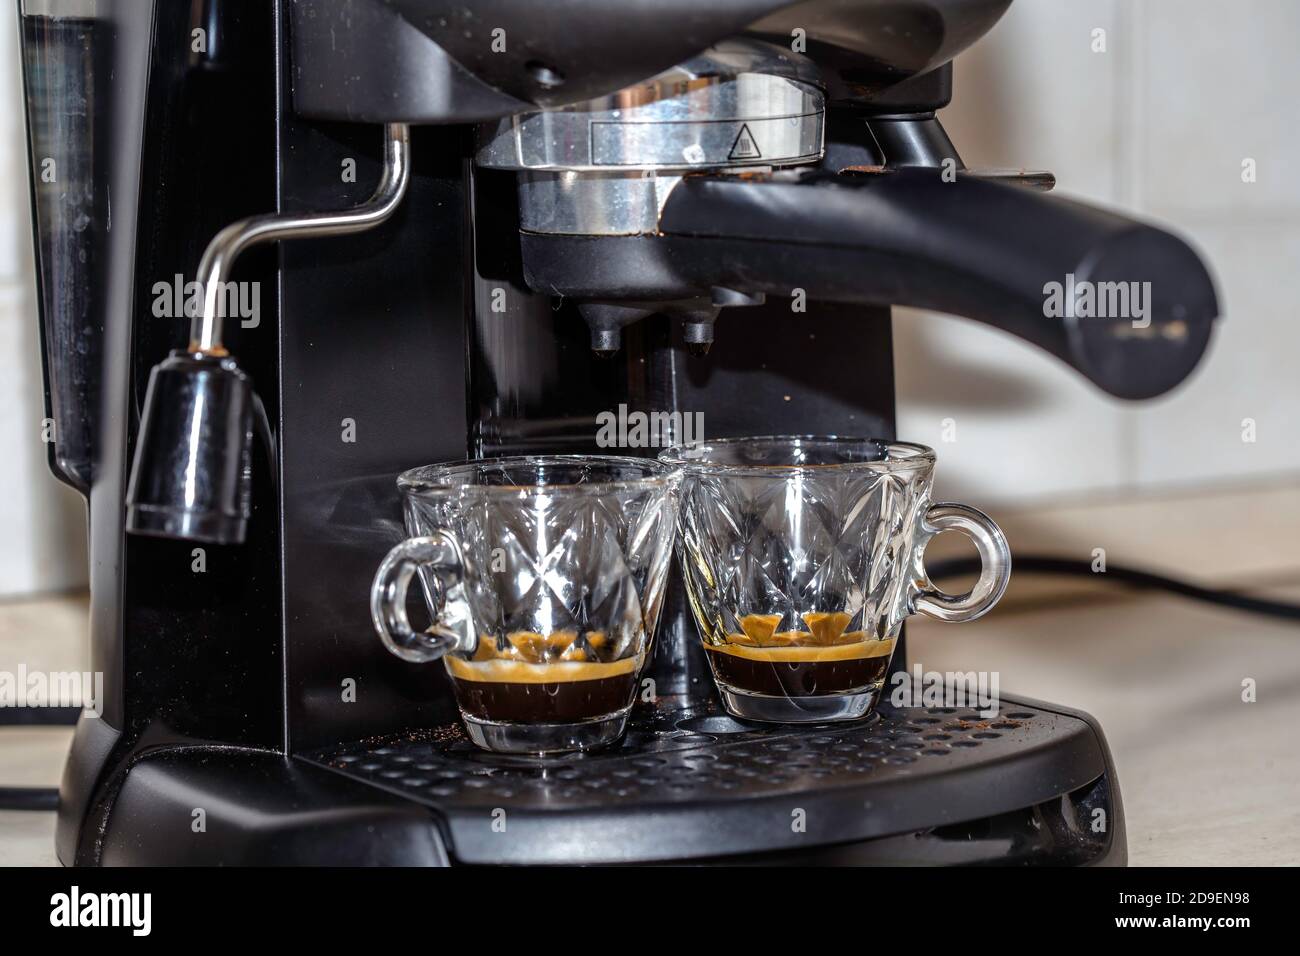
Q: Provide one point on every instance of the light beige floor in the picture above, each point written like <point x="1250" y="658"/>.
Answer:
<point x="1206" y="778"/>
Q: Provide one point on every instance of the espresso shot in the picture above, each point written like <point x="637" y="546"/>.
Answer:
<point x="826" y="660"/>
<point x="528" y="678"/>
<point x="801" y="672"/>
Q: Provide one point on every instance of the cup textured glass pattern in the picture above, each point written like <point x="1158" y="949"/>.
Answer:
<point x="794" y="541"/>
<point x="552" y="545"/>
<point x="553" y="593"/>
<point x="802" y="556"/>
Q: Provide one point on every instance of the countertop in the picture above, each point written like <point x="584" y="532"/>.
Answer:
<point x="1206" y="778"/>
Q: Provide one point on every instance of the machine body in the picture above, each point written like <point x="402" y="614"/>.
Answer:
<point x="570" y="241"/>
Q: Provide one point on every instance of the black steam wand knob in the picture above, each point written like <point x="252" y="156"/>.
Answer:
<point x="192" y="472"/>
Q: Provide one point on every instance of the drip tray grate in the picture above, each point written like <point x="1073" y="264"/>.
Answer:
<point x="689" y="781"/>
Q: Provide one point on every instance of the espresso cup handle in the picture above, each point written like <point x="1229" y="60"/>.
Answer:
<point x="995" y="564"/>
<point x="439" y="553"/>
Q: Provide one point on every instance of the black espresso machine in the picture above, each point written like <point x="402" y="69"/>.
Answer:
<point x="287" y="249"/>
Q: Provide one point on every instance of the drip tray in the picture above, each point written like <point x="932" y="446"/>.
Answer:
<point x="688" y="781"/>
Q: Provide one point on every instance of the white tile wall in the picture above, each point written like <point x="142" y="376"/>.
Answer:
<point x="1220" y="83"/>
<point x="1195" y="434"/>
<point x="1158" y="125"/>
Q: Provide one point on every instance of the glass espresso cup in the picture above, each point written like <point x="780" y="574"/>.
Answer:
<point x="802" y="557"/>
<point x="544" y="577"/>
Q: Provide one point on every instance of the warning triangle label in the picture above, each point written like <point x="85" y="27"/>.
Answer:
<point x="744" y="147"/>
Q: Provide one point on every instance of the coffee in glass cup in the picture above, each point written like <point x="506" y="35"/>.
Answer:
<point x="545" y="578"/>
<point x="802" y="556"/>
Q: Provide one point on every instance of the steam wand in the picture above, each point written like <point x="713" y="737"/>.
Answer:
<point x="192" y="472"/>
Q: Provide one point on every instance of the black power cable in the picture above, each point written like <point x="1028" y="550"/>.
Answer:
<point x="39" y="716"/>
<point x="1042" y="564"/>
<point x="29" y="798"/>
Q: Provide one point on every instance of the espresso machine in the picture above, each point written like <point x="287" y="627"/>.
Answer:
<point x="288" y="249"/>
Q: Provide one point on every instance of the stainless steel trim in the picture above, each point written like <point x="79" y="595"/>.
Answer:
<point x="593" y="203"/>
<point x="606" y="166"/>
<point x="747" y="120"/>
<point x="224" y="248"/>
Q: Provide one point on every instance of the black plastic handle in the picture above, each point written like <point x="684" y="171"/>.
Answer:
<point x="985" y="250"/>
